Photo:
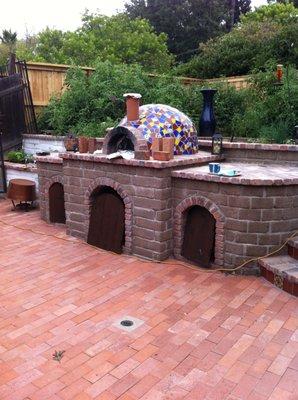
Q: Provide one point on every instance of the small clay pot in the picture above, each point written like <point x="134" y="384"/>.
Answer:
<point x="83" y="144"/>
<point x="70" y="144"/>
<point x="92" y="145"/>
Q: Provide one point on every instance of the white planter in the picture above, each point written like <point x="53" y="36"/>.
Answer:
<point x="33" y="144"/>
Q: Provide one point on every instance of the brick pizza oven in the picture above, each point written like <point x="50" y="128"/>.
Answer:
<point x="154" y="209"/>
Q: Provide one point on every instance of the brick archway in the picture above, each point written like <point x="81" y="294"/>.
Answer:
<point x="97" y="183"/>
<point x="48" y="184"/>
<point x="179" y="223"/>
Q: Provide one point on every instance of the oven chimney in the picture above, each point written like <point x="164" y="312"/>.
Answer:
<point x="132" y="106"/>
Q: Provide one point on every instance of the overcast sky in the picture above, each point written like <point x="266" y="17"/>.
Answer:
<point x="35" y="15"/>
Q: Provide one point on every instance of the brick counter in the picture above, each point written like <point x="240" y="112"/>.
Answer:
<point x="257" y="152"/>
<point x="254" y="213"/>
<point x="144" y="186"/>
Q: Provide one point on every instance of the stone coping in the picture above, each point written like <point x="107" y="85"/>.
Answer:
<point x="252" y="146"/>
<point x="53" y="159"/>
<point x="253" y="175"/>
<point x="202" y="142"/>
<point x="200" y="158"/>
<point x="21" y="167"/>
<point x="51" y="137"/>
<point x="44" y="137"/>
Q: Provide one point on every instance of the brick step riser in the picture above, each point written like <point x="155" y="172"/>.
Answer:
<point x="284" y="284"/>
<point x="293" y="252"/>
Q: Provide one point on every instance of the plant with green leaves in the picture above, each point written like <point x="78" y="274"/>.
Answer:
<point x="19" y="157"/>
<point x="91" y="104"/>
<point x="9" y="39"/>
<point x="261" y="39"/>
<point x="188" y="22"/>
<point x="117" y="39"/>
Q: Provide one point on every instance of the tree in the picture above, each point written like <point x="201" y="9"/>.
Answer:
<point x="188" y="22"/>
<point x="262" y="38"/>
<point x="122" y="40"/>
<point x="295" y="2"/>
<point x="117" y="39"/>
<point x="9" y="39"/>
<point x="281" y="13"/>
<point x="49" y="46"/>
<point x="236" y="9"/>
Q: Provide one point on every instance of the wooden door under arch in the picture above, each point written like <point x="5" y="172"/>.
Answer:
<point x="107" y="221"/>
<point x="199" y="236"/>
<point x="56" y="203"/>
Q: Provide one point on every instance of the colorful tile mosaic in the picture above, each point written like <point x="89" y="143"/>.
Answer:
<point x="159" y="120"/>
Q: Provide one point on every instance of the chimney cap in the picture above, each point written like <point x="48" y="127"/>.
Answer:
<point x="133" y="95"/>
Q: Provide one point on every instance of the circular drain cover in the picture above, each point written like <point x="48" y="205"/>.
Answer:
<point x="126" y="322"/>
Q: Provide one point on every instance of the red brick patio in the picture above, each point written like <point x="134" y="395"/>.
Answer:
<point x="205" y="335"/>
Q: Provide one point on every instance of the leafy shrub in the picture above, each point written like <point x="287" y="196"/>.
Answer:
<point x="263" y="37"/>
<point x="19" y="157"/>
<point x="246" y="48"/>
<point x="91" y="104"/>
<point x="270" y="111"/>
<point x="117" y="39"/>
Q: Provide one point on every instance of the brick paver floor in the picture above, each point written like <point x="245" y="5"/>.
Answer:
<point x="205" y="335"/>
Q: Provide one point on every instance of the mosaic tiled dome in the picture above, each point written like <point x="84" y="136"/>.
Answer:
<point x="159" y="120"/>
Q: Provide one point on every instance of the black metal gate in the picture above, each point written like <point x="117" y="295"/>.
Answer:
<point x="16" y="105"/>
<point x="17" y="114"/>
<point x="3" y="185"/>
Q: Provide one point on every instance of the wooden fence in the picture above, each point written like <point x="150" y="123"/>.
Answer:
<point x="48" y="79"/>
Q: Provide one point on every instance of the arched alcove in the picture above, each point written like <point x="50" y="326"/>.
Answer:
<point x="199" y="236"/>
<point x="180" y="220"/>
<point x="107" y="220"/>
<point x="56" y="203"/>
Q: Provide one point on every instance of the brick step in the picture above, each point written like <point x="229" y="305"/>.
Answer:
<point x="293" y="247"/>
<point x="282" y="271"/>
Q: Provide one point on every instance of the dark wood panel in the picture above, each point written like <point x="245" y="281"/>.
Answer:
<point x="56" y="201"/>
<point x="199" y="236"/>
<point x="107" y="222"/>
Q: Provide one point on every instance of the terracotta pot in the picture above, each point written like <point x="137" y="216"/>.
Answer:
<point x="92" y="145"/>
<point x="70" y="144"/>
<point x="83" y="144"/>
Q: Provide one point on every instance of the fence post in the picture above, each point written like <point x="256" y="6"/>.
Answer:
<point x="11" y="67"/>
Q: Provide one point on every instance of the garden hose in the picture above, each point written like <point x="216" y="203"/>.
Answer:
<point x="163" y="262"/>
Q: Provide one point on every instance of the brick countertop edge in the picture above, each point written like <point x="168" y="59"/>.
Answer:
<point x="252" y="146"/>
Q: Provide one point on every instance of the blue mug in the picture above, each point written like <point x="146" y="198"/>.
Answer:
<point x="214" y="168"/>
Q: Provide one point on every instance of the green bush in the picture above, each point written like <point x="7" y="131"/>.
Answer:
<point x="263" y="37"/>
<point x="270" y="111"/>
<point x="91" y="104"/>
<point x="246" y="48"/>
<point x="19" y="157"/>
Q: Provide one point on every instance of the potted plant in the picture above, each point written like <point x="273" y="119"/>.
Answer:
<point x="71" y="142"/>
<point x="19" y="157"/>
